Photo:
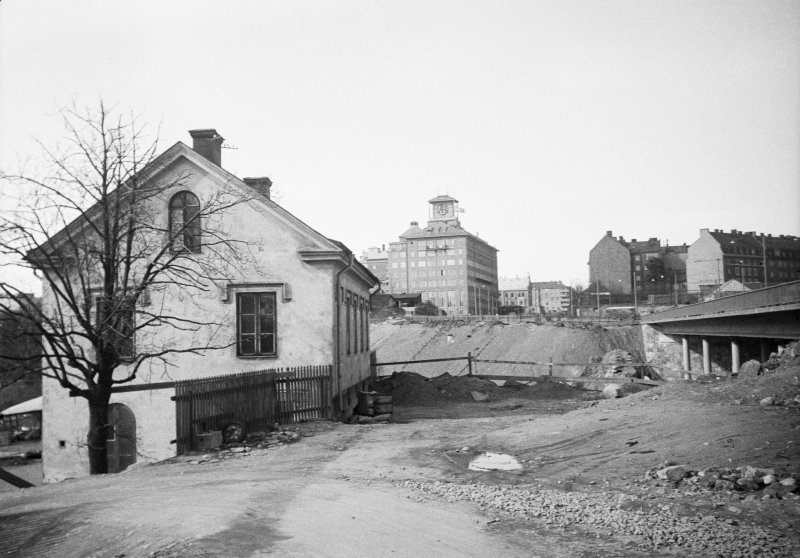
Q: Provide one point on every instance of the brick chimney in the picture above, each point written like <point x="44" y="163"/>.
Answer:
<point x="262" y="184"/>
<point x="208" y="143"/>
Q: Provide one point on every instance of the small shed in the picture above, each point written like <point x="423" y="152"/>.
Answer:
<point x="23" y="420"/>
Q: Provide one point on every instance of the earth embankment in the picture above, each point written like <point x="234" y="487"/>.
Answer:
<point x="404" y="340"/>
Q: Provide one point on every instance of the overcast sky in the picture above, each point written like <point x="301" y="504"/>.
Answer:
<point x="550" y="121"/>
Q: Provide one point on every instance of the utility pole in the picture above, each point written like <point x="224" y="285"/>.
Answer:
<point x="597" y="292"/>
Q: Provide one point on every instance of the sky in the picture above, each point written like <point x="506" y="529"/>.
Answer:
<point x="551" y="122"/>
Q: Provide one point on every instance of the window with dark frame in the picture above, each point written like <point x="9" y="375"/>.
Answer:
<point x="355" y="324"/>
<point x="364" y="324"/>
<point x="184" y="222"/>
<point x="119" y="332"/>
<point x="256" y="324"/>
<point x="347" y="322"/>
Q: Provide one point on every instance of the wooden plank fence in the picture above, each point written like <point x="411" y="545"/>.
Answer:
<point x="256" y="400"/>
<point x="472" y="362"/>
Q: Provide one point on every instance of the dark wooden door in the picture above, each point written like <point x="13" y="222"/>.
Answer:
<point x="121" y="441"/>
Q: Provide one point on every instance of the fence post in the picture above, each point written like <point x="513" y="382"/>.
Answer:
<point x="469" y="364"/>
<point x="550" y="367"/>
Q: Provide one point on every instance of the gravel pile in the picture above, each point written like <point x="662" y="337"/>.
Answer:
<point x="656" y="529"/>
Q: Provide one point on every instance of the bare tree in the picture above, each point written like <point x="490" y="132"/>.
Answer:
<point x="92" y="225"/>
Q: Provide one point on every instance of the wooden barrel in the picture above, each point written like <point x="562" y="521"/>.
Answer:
<point x="365" y="403"/>
<point x="382" y="408"/>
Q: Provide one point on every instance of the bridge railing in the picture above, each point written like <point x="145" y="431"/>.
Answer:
<point x="786" y="293"/>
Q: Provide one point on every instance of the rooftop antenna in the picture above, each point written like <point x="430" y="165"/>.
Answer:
<point x="229" y="146"/>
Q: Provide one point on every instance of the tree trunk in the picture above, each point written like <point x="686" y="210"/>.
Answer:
<point x="96" y="438"/>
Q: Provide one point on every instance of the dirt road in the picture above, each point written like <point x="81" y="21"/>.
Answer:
<point x="403" y="489"/>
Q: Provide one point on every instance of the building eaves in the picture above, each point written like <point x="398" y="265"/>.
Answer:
<point x="442" y="198"/>
<point x="443" y="231"/>
<point x="547" y="285"/>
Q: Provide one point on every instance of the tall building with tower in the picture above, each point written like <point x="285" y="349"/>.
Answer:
<point x="449" y="266"/>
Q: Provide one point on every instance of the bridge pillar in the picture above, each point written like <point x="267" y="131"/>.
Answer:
<point x="764" y="350"/>
<point x="687" y="362"/>
<point x="735" y="356"/>
<point x="706" y="356"/>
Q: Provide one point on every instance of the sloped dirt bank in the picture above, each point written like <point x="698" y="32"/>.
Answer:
<point x="401" y="340"/>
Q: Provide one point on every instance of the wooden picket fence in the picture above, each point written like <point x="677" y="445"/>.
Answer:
<point x="256" y="400"/>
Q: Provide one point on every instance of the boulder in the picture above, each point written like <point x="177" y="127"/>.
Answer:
<point x="750" y="368"/>
<point x="612" y="391"/>
<point x="767" y="401"/>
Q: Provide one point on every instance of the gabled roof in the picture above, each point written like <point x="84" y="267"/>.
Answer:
<point x="549" y="285"/>
<point x="728" y="241"/>
<point x="29" y="406"/>
<point x="644" y="246"/>
<point x="319" y="247"/>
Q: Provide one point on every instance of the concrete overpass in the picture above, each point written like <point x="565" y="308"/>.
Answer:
<point x="754" y="323"/>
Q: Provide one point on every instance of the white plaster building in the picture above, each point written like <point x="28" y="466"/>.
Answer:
<point x="307" y="293"/>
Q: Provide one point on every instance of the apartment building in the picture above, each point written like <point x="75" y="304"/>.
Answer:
<point x="718" y="256"/>
<point x="451" y="267"/>
<point x="516" y="291"/>
<point x="551" y="297"/>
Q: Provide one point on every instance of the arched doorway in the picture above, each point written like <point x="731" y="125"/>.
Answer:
<point x="121" y="438"/>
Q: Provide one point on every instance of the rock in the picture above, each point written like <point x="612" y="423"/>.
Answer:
<point x="708" y="480"/>
<point x="722" y="484"/>
<point x="768" y="479"/>
<point x="755" y="473"/>
<point x="745" y="483"/>
<point x="767" y="401"/>
<point x="674" y="473"/>
<point x="750" y="368"/>
<point x="479" y="396"/>
<point x="777" y="490"/>
<point x="612" y="391"/>
<point x="789" y="482"/>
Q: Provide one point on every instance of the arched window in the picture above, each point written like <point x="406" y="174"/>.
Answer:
<point x="184" y="222"/>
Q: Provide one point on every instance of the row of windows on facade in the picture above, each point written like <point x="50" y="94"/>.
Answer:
<point x="771" y="253"/>
<point x="422" y="284"/>
<point x="356" y="321"/>
<point x="401" y="246"/>
<point x="413" y="263"/>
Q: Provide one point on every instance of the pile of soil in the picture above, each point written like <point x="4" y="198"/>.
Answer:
<point x="412" y="389"/>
